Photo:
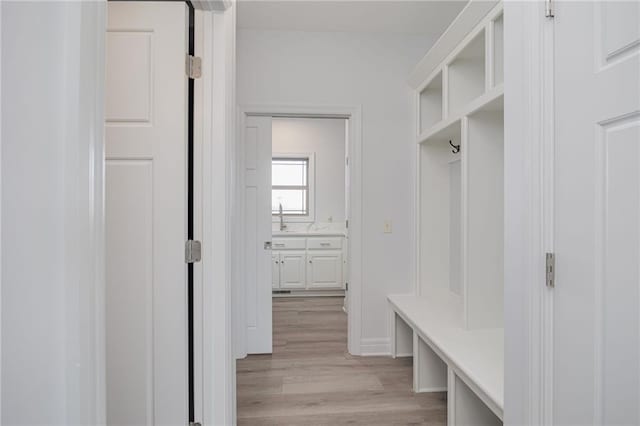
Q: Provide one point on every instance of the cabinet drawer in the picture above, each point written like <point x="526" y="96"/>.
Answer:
<point x="288" y="244"/>
<point x="324" y="243"/>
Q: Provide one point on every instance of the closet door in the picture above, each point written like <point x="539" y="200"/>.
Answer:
<point x="146" y="213"/>
<point x="257" y="233"/>
<point x="596" y="341"/>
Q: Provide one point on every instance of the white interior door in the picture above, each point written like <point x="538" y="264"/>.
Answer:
<point x="257" y="204"/>
<point x="347" y="214"/>
<point x="596" y="344"/>
<point x="146" y="146"/>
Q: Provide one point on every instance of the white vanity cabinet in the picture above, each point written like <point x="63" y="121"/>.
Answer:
<point x="324" y="269"/>
<point x="308" y="263"/>
<point x="292" y="269"/>
<point x="275" y="271"/>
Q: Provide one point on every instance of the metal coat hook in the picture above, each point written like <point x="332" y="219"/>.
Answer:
<point x="456" y="148"/>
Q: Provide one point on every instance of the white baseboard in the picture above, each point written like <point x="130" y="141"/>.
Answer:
<point x="404" y="355"/>
<point x="377" y="346"/>
<point x="428" y="390"/>
<point x="309" y="293"/>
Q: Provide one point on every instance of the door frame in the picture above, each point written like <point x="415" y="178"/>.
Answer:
<point x="529" y="165"/>
<point x="214" y="141"/>
<point x="354" y="116"/>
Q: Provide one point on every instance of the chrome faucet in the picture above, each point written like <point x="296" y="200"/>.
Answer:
<point x="282" y="225"/>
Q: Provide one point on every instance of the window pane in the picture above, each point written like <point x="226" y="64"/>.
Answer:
<point x="289" y="172"/>
<point x="294" y="201"/>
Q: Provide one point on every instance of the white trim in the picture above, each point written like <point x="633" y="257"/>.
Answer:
<point x="215" y="187"/>
<point x="212" y="5"/>
<point x="0" y="216"/>
<point x="311" y="187"/>
<point x="376" y="346"/>
<point x="84" y="243"/>
<point x="354" y="115"/>
<point x="528" y="155"/>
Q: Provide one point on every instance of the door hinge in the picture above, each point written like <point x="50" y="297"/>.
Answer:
<point x="194" y="67"/>
<point x="193" y="251"/>
<point x="346" y="286"/>
<point x="347" y="161"/>
<point x="347" y="224"/>
<point x="550" y="270"/>
<point x="548" y="9"/>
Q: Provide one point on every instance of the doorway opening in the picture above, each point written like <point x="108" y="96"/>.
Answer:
<point x="308" y="244"/>
<point x="309" y="200"/>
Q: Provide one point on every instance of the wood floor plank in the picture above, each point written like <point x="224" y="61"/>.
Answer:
<point x="311" y="379"/>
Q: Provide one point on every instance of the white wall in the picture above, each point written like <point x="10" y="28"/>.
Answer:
<point x="326" y="138"/>
<point x="52" y="275"/>
<point x="307" y="68"/>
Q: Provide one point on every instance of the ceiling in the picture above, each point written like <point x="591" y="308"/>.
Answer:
<point x="395" y="17"/>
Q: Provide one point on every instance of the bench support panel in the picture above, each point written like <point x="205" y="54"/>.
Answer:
<point x="401" y="336"/>
<point x="464" y="408"/>
<point x="429" y="371"/>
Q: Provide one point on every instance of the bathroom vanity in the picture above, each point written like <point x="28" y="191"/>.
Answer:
<point x="308" y="262"/>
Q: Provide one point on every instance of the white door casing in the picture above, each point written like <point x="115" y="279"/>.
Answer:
<point x="596" y="300"/>
<point x="146" y="146"/>
<point x="257" y="208"/>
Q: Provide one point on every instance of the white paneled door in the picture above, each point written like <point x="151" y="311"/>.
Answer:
<point x="146" y="213"/>
<point x="257" y="256"/>
<point x="596" y="313"/>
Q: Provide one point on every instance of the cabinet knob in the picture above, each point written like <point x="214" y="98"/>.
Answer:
<point x="311" y="261"/>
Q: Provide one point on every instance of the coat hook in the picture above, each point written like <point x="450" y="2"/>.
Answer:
<point x="456" y="148"/>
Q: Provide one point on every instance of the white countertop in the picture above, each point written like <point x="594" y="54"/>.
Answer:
<point x="322" y="233"/>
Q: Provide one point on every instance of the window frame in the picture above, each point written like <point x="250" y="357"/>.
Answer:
<point x="311" y="177"/>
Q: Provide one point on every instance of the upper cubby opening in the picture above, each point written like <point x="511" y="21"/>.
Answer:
<point x="498" y="50"/>
<point x="431" y="103"/>
<point x="467" y="74"/>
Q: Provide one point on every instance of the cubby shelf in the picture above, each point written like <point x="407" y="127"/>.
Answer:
<point x="492" y="100"/>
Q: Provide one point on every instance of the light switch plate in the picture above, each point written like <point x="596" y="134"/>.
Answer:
<point x="387" y="226"/>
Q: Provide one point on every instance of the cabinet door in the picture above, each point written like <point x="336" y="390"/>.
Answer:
<point x="275" y="270"/>
<point x="324" y="270"/>
<point x="292" y="270"/>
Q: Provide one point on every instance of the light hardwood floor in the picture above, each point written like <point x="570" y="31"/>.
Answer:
<point x="310" y="379"/>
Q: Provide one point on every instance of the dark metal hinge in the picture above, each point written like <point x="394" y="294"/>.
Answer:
<point x="194" y="67"/>
<point x="550" y="270"/>
<point x="193" y="251"/>
<point x="548" y="9"/>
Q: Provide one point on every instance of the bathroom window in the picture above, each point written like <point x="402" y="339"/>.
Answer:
<point x="291" y="185"/>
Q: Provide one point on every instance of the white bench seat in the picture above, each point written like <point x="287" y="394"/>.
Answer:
<point x="475" y="356"/>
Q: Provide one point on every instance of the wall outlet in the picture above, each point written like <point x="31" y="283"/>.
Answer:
<point x="387" y="226"/>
